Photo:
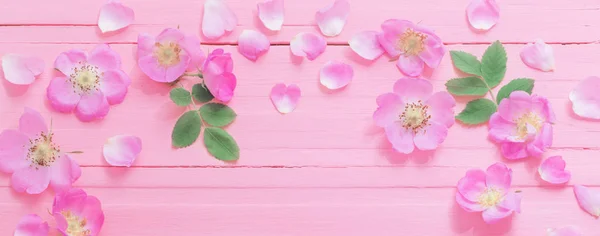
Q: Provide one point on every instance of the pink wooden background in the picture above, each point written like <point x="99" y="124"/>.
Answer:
<point x="324" y="169"/>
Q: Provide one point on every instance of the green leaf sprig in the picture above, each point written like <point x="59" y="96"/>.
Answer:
<point x="485" y="75"/>
<point x="211" y="117"/>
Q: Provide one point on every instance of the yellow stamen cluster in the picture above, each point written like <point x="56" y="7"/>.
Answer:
<point x="76" y="224"/>
<point x="85" y="78"/>
<point x="490" y="197"/>
<point x="41" y="151"/>
<point x="167" y="54"/>
<point x="411" y="43"/>
<point x="526" y="119"/>
<point x="415" y="116"/>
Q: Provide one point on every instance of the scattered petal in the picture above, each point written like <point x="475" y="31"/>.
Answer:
<point x="538" y="55"/>
<point x="253" y="44"/>
<point x="285" y="98"/>
<point x="270" y="13"/>
<point x="589" y="200"/>
<point x="366" y="45"/>
<point x="336" y="75"/>
<point x="122" y="150"/>
<point x="586" y="99"/>
<point x="20" y="69"/>
<point x="114" y="16"/>
<point x="218" y="19"/>
<point x="308" y="45"/>
<point x="483" y="14"/>
<point x="552" y="170"/>
<point x="32" y="225"/>
<point x="331" y="19"/>
<point x="565" y="231"/>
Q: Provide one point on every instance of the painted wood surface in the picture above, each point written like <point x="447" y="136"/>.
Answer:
<point x="324" y="169"/>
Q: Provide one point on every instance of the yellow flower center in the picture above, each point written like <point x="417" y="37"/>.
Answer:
<point x="42" y="151"/>
<point x="167" y="54"/>
<point x="85" y="78"/>
<point x="76" y="224"/>
<point x="415" y="116"/>
<point x="490" y="197"/>
<point x="411" y="43"/>
<point x="531" y="119"/>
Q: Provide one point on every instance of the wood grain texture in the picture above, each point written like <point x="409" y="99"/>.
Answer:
<point x="324" y="169"/>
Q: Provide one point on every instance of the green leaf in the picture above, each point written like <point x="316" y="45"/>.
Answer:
<point x="521" y="84"/>
<point x="220" y="144"/>
<point x="477" y="111"/>
<point x="493" y="64"/>
<point x="466" y="62"/>
<point x="186" y="130"/>
<point x="180" y="96"/>
<point x="467" y="86"/>
<point x="217" y="114"/>
<point x="201" y="93"/>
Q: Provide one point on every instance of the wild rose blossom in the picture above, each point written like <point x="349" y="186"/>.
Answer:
<point x="415" y="116"/>
<point x="415" y="46"/>
<point x="90" y="82"/>
<point x="77" y="213"/>
<point x="522" y="125"/>
<point x="488" y="192"/>
<point x="33" y="158"/>
<point x="218" y="75"/>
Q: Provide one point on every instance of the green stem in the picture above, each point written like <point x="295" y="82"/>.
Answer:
<point x="489" y="90"/>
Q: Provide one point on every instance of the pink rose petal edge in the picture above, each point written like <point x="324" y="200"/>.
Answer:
<point x="271" y="14"/>
<point x="538" y="55"/>
<point x="114" y="16"/>
<point x="122" y="150"/>
<point x="308" y="45"/>
<point x="483" y="14"/>
<point x="252" y="44"/>
<point x="21" y="70"/>
<point x="218" y="19"/>
<point x="285" y="98"/>
<point x="552" y="170"/>
<point x="589" y="200"/>
<point x="336" y="75"/>
<point x="332" y="19"/>
<point x="32" y="225"/>
<point x="586" y="99"/>
<point x="366" y="45"/>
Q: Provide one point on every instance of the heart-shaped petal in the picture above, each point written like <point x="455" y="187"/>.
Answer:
<point x="483" y="14"/>
<point x="332" y="19"/>
<point x="32" y="225"/>
<point x="589" y="200"/>
<point x="336" y="75"/>
<point x="122" y="150"/>
<point x="565" y="231"/>
<point x="366" y="45"/>
<point x="114" y="16"/>
<point x="253" y="44"/>
<point x="270" y="13"/>
<point x="586" y="99"/>
<point x="21" y="70"/>
<point x="285" y="98"/>
<point x="538" y="55"/>
<point x="552" y="170"/>
<point x="308" y="45"/>
<point x="218" y="19"/>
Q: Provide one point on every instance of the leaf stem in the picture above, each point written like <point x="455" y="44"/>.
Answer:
<point x="489" y="90"/>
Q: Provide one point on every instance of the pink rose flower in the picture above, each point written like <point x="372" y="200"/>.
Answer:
<point x="166" y="57"/>
<point x="522" y="125"/>
<point x="90" y="82"/>
<point x="77" y="213"/>
<point x="488" y="192"/>
<point x="218" y="75"/>
<point x="415" y="116"/>
<point x="414" y="45"/>
<point x="34" y="160"/>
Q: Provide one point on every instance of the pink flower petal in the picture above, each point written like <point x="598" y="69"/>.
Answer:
<point x="92" y="106"/>
<point x="12" y="150"/>
<point x="495" y="214"/>
<point x="67" y="61"/>
<point x="122" y="150"/>
<point x="400" y="138"/>
<point x="32" y="225"/>
<point x="472" y="184"/>
<point x="285" y="98"/>
<point x="32" y="123"/>
<point x="511" y="201"/>
<point x="308" y="45"/>
<point x="191" y="44"/>
<point x="104" y="58"/>
<point x="498" y="176"/>
<point x="441" y="108"/>
<point x="468" y="205"/>
<point x="552" y="170"/>
<point x="221" y="86"/>
<point x="331" y="19"/>
<point x="253" y="44"/>
<point x="392" y="29"/>
<point x="20" y="69"/>
<point x="586" y="99"/>
<point x="432" y="137"/>
<point x="114" y="16"/>
<point x="366" y="45"/>
<point x="413" y="90"/>
<point x="390" y="108"/>
<point x="412" y="66"/>
<point x="336" y="75"/>
<point x="589" y="200"/>
<point x="114" y="85"/>
<point x="565" y="231"/>
<point x="218" y="19"/>
<point x="483" y="14"/>
<point x="62" y="95"/>
<point x="538" y="55"/>
<point x="270" y="13"/>
<point x="63" y="173"/>
<point x="31" y="180"/>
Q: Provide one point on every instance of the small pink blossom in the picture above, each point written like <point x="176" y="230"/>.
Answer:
<point x="166" y="57"/>
<point x="21" y="70"/>
<point x="522" y="125"/>
<point x="271" y="14"/>
<point x="588" y="199"/>
<point x="122" y="150"/>
<point x="114" y="16"/>
<point x="552" y="170"/>
<point x="77" y="213"/>
<point x="32" y="225"/>
<point x="332" y="19"/>
<point x="308" y="45"/>
<point x="415" y="116"/>
<point x="538" y="55"/>
<point x="483" y="14"/>
<point x="336" y="75"/>
<point x="366" y="45"/>
<point x="33" y="158"/>
<point x="285" y="98"/>
<point x="586" y="99"/>
<point x="415" y="46"/>
<point x="218" y="19"/>
<point x="218" y="75"/>
<point x="89" y="83"/>
<point x="565" y="231"/>
<point x="488" y="192"/>
<point x="253" y="44"/>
